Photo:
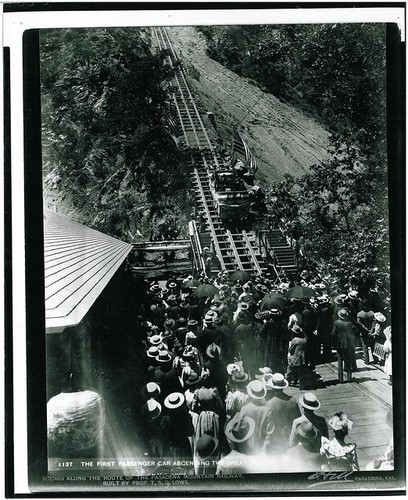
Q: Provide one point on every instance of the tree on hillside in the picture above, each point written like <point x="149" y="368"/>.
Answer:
<point x="104" y="98"/>
<point x="336" y="212"/>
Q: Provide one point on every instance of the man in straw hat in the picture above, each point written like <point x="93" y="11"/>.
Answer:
<point x="282" y="410"/>
<point x="239" y="432"/>
<point x="176" y="427"/>
<point x="345" y="337"/>
<point x="365" y="318"/>
<point x="305" y="455"/>
<point x="257" y="410"/>
<point x="237" y="396"/>
<point x="309" y="403"/>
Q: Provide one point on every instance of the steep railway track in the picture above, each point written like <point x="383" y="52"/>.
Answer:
<point x="234" y="249"/>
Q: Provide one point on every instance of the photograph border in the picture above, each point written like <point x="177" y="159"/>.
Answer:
<point x="24" y="306"/>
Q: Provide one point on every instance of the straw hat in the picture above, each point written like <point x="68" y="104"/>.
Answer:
<point x="277" y="381"/>
<point x="174" y="400"/>
<point x="256" y="389"/>
<point x="154" y="408"/>
<point x="163" y="357"/>
<point x="240" y="428"/>
<point x="192" y="323"/>
<point x="193" y="379"/>
<point x="309" y="401"/>
<point x="339" y="421"/>
<point x="212" y="350"/>
<point x="156" y="339"/>
<point x="275" y="312"/>
<point x="353" y="295"/>
<point x="379" y="317"/>
<point x="343" y="314"/>
<point x="339" y="300"/>
<point x="205" y="446"/>
<point x="169" y="324"/>
<point x="243" y="306"/>
<point x="151" y="390"/>
<point x="239" y="377"/>
<point x="152" y="352"/>
<point x="263" y="371"/>
<point x="306" y="431"/>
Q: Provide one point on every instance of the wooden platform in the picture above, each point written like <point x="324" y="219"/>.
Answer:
<point x="366" y="402"/>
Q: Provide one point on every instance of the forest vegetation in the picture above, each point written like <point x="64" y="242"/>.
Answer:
<point x="108" y="156"/>
<point x="337" y="72"/>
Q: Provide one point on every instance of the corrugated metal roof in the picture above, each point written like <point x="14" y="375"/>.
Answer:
<point x="79" y="262"/>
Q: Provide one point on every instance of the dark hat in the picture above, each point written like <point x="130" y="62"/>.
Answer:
<point x="242" y="315"/>
<point x="169" y="324"/>
<point x="297" y="330"/>
<point x="165" y="292"/>
<point x="256" y="389"/>
<point x="309" y="401"/>
<point x="188" y="352"/>
<point x="277" y="381"/>
<point x="151" y="390"/>
<point x="343" y="314"/>
<point x="205" y="446"/>
<point x="193" y="379"/>
<point x="163" y="357"/>
<point x="174" y="400"/>
<point x="154" y="408"/>
<point x="213" y="350"/>
<point x="240" y="428"/>
<point x="306" y="431"/>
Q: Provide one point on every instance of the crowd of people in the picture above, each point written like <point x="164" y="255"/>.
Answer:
<point x="218" y="355"/>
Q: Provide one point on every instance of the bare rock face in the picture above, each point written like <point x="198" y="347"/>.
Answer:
<point x="283" y="139"/>
<point x="75" y="424"/>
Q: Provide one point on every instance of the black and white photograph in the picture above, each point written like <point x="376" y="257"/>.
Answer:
<point x="211" y="209"/>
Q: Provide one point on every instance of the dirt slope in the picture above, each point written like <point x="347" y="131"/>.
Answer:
<point x="282" y="138"/>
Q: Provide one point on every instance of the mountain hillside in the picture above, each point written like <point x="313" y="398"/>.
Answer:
<point x="283" y="139"/>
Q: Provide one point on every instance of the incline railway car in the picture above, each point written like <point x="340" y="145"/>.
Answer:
<point x="231" y="195"/>
<point x="236" y="197"/>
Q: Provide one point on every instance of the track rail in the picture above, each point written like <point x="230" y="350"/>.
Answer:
<point x="233" y="250"/>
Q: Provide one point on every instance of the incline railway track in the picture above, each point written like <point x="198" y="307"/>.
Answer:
<point x="234" y="249"/>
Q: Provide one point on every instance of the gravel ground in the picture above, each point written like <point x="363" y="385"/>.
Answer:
<point x="283" y="139"/>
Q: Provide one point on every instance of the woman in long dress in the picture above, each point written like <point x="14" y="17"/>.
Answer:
<point x="339" y="455"/>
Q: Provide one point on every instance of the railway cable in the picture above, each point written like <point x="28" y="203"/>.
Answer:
<point x="233" y="250"/>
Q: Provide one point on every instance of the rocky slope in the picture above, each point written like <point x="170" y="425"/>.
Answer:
<point x="283" y="139"/>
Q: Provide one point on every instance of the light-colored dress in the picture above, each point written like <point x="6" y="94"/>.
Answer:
<point x="339" y="457"/>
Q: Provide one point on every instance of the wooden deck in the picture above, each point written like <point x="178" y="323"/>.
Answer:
<point x="366" y="402"/>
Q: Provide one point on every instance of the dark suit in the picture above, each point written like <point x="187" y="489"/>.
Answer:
<point x="282" y="410"/>
<point x="345" y="337"/>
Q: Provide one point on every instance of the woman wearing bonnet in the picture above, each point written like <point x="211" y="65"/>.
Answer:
<point x="339" y="455"/>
